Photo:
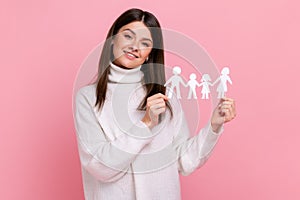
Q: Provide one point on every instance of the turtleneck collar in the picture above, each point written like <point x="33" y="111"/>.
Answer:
<point x="120" y="75"/>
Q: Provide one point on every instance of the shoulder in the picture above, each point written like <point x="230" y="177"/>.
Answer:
<point x="87" y="91"/>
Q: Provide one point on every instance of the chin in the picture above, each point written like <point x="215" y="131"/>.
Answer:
<point x="128" y="64"/>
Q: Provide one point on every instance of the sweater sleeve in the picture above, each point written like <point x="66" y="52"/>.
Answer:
<point x="105" y="160"/>
<point x="193" y="152"/>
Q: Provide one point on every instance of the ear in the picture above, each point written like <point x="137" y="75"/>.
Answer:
<point x="112" y="41"/>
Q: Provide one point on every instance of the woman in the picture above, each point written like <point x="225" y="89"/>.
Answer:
<point x="133" y="140"/>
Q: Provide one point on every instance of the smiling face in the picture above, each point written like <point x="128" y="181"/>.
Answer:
<point x="132" y="45"/>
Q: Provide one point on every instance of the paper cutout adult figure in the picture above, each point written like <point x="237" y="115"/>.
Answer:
<point x="205" y="83"/>
<point x="175" y="81"/>
<point x="223" y="79"/>
<point x="192" y="83"/>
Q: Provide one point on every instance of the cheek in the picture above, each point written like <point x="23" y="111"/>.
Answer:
<point x="145" y="53"/>
<point x="121" y="42"/>
<point x="117" y="48"/>
<point x="115" y="52"/>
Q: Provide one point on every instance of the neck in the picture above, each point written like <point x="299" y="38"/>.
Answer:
<point x="121" y="75"/>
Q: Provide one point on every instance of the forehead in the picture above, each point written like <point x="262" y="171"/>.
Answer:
<point x="137" y="27"/>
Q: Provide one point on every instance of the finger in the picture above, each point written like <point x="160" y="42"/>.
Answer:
<point x="156" y="96"/>
<point x="222" y="112"/>
<point x="232" y="109"/>
<point x="224" y="101"/>
<point x="158" y="106"/>
<point x="160" y="110"/>
<point x="230" y="114"/>
<point x="155" y="101"/>
<point x="227" y="103"/>
<point x="226" y="114"/>
<point x="227" y="99"/>
<point x="226" y="106"/>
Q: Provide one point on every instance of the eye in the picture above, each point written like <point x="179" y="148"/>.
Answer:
<point x="145" y="44"/>
<point x="127" y="36"/>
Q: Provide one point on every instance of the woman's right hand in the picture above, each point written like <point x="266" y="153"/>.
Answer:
<point x="155" y="105"/>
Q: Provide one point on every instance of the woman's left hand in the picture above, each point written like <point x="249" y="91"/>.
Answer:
<point x="224" y="112"/>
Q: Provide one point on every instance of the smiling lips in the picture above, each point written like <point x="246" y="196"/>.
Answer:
<point x="130" y="56"/>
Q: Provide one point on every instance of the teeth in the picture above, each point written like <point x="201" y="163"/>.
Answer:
<point x="130" y="54"/>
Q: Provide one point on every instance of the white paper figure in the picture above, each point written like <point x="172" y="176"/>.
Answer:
<point x="192" y="83"/>
<point x="175" y="81"/>
<point x="222" y="87"/>
<point x="205" y="83"/>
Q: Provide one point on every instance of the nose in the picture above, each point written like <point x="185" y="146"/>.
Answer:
<point x="133" y="46"/>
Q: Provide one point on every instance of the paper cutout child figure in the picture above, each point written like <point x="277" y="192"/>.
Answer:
<point x="205" y="83"/>
<point x="224" y="78"/>
<point x="175" y="81"/>
<point x="193" y="83"/>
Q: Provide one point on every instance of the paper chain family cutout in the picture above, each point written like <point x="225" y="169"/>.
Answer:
<point x="176" y="79"/>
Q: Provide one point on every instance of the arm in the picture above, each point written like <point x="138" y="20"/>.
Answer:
<point x="183" y="83"/>
<point x="194" y="151"/>
<point x="168" y="81"/>
<point x="216" y="81"/>
<point x="105" y="160"/>
<point x="229" y="80"/>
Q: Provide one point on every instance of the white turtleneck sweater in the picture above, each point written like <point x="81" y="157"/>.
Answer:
<point x="121" y="158"/>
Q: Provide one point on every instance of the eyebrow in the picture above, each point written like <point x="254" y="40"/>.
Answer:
<point x="127" y="29"/>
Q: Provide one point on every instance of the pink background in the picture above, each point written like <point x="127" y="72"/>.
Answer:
<point x="43" y="44"/>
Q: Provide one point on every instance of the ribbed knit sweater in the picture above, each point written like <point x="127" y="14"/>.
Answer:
<point x="121" y="158"/>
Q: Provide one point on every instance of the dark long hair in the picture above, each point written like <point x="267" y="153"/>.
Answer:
<point x="153" y="68"/>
